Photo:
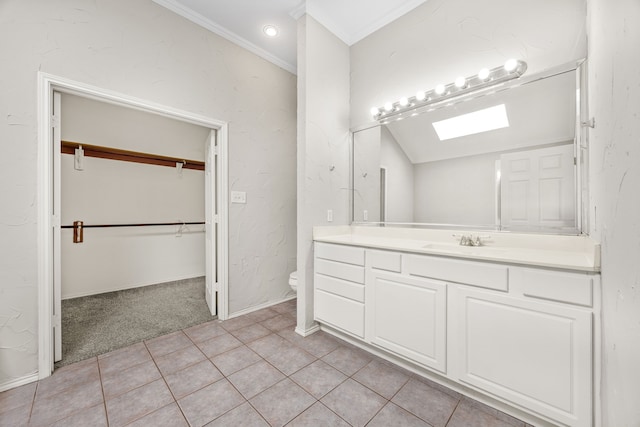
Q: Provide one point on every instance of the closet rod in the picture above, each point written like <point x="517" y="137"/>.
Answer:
<point x="69" y="147"/>
<point x="134" y="225"/>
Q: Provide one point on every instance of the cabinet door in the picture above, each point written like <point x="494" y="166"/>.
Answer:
<point x="407" y="316"/>
<point x="532" y="353"/>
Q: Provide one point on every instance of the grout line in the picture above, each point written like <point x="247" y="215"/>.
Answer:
<point x="453" y="412"/>
<point x="33" y="401"/>
<point x="104" y="398"/>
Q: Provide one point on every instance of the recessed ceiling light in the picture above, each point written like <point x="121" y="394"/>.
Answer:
<point x="270" y="30"/>
<point x="468" y="124"/>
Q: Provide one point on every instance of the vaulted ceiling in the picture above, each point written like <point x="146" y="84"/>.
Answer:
<point x="243" y="21"/>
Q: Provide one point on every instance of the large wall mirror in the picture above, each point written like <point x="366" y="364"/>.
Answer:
<point x="522" y="177"/>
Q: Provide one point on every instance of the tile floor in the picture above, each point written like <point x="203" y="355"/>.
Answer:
<point x="252" y="370"/>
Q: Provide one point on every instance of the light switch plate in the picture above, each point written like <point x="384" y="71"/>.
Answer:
<point x="238" y="197"/>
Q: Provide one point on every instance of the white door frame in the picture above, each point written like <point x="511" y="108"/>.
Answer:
<point x="47" y="222"/>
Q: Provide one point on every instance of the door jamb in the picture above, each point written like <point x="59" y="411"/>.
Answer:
<point x="47" y="83"/>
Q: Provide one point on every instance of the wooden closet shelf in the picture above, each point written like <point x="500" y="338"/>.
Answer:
<point x="69" y="147"/>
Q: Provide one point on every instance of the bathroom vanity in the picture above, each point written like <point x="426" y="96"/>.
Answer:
<point x="515" y="320"/>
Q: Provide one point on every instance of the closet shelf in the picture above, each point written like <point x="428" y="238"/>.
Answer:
<point x="69" y="147"/>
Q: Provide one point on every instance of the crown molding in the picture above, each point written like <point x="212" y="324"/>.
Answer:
<point x="384" y="20"/>
<point x="204" y="22"/>
<point x="352" y="37"/>
<point x="299" y="10"/>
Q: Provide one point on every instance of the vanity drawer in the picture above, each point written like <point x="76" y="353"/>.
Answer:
<point x="573" y="288"/>
<point x="339" y="312"/>
<point x="346" y="254"/>
<point x="340" y="287"/>
<point x="485" y="275"/>
<point x="389" y="261"/>
<point x="339" y="270"/>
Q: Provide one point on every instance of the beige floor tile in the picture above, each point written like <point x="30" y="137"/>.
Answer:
<point x="244" y="415"/>
<point x="427" y="403"/>
<point x="116" y="383"/>
<point x="206" y="331"/>
<point x="179" y="359"/>
<point x="94" y="416"/>
<point x="318" y="415"/>
<point x="123" y="358"/>
<point x="354" y="402"/>
<point x="255" y="378"/>
<point x="236" y="359"/>
<point x="167" y="416"/>
<point x="169" y="343"/>
<point x="318" y="378"/>
<point x="282" y="402"/>
<point x="137" y="403"/>
<point x="192" y="378"/>
<point x="381" y="378"/>
<point x="207" y="404"/>
<point x="218" y="345"/>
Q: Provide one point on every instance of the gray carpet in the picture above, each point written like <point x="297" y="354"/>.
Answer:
<point x="97" y="324"/>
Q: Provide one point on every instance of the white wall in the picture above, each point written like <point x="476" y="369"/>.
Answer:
<point x="456" y="191"/>
<point x="116" y="192"/>
<point x="400" y="179"/>
<point x="140" y="49"/>
<point x="442" y="39"/>
<point x="614" y="99"/>
<point x="323" y="146"/>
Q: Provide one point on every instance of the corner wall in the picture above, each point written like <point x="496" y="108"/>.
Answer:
<point x="323" y="147"/>
<point x="614" y="101"/>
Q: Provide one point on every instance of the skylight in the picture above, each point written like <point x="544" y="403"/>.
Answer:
<point x="468" y="124"/>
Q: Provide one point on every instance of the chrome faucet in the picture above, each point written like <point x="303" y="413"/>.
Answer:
<point x="469" y="240"/>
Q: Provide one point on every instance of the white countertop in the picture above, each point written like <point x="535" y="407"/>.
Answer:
<point x="579" y="253"/>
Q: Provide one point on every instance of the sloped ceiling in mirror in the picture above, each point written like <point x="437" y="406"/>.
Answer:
<point x="540" y="112"/>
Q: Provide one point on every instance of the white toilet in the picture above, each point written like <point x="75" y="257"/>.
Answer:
<point x="293" y="281"/>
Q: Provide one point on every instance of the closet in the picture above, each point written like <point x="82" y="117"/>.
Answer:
<point x="132" y="200"/>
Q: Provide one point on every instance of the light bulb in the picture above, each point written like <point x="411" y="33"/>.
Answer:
<point x="510" y="65"/>
<point x="440" y="89"/>
<point x="270" y="30"/>
<point x="461" y="82"/>
<point x="375" y="111"/>
<point x="421" y="95"/>
<point x="483" y="74"/>
<point x="388" y="106"/>
<point x="404" y="101"/>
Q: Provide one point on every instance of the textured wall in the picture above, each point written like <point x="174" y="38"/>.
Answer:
<point x="614" y="99"/>
<point x="323" y="146"/>
<point x="442" y="39"/>
<point x="140" y="49"/>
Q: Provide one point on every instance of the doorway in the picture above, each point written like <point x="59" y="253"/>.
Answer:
<point x="215" y="224"/>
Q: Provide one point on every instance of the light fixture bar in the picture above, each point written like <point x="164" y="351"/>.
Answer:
<point x="512" y="69"/>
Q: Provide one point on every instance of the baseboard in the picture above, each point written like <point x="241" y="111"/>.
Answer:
<point x="261" y="306"/>
<point x="306" y="332"/>
<point x="126" y="287"/>
<point x="18" y="382"/>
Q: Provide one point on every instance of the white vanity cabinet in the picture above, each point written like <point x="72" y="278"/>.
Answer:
<point x="407" y="316"/>
<point x="339" y="287"/>
<point x="534" y="353"/>
<point x="522" y="335"/>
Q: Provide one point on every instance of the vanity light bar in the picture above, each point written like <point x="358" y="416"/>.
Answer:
<point x="485" y="78"/>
